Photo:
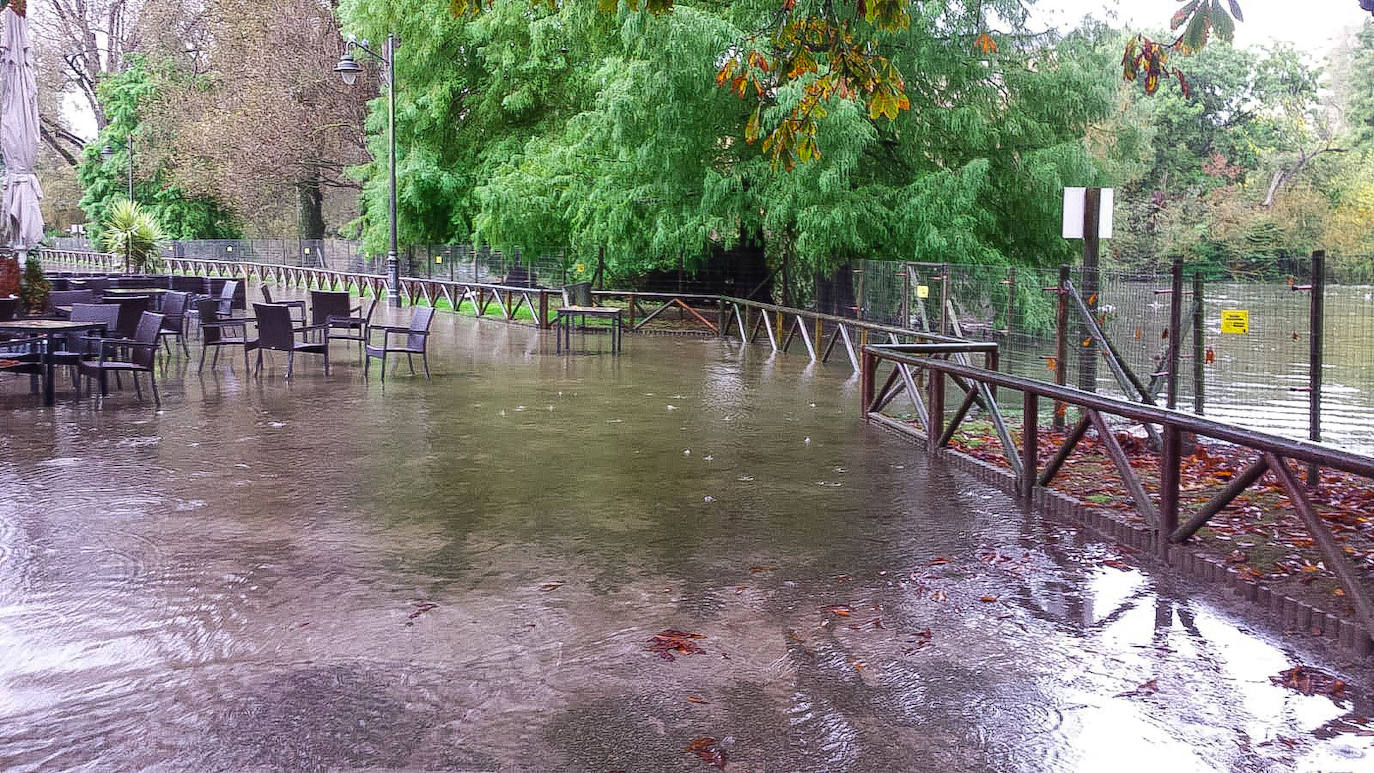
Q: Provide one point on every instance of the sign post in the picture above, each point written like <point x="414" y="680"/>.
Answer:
<point x="1088" y="216"/>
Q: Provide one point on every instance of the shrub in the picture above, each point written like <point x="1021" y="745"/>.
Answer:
<point x="35" y="287"/>
<point x="134" y="234"/>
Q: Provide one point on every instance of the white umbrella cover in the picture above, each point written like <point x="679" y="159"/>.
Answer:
<point x="23" y="220"/>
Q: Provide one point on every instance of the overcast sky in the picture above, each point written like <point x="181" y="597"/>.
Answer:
<point x="1313" y="26"/>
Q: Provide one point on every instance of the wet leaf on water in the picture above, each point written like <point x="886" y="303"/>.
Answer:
<point x="1144" y="688"/>
<point x="421" y="607"/>
<point x="938" y="560"/>
<point x="840" y="609"/>
<point x="938" y="595"/>
<point x="1310" y="681"/>
<point x="708" y="750"/>
<point x="669" y="640"/>
<point x="762" y="568"/>
<point x="1117" y="564"/>
<point x="921" y="639"/>
<point x="695" y="699"/>
<point x="548" y="586"/>
<point x="988" y="599"/>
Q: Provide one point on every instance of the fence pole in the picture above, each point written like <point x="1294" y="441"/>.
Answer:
<point x="1087" y="355"/>
<point x="1316" y="324"/>
<point x="1199" y="353"/>
<point x="1168" y="488"/>
<point x="1011" y="298"/>
<point x="1029" y="444"/>
<point x="944" y="298"/>
<point x="1175" y="325"/>
<point x="935" y="428"/>
<point x="1061" y="343"/>
<point x="906" y="297"/>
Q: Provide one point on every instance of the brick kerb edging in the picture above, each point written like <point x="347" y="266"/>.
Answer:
<point x="1289" y="612"/>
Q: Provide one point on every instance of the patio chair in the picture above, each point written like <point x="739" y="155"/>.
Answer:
<point x="217" y="332"/>
<point x="131" y="308"/>
<point x="174" y="307"/>
<point x="330" y="303"/>
<point x="96" y="284"/>
<point x="80" y="345"/>
<point x="275" y="331"/>
<point x="71" y="297"/>
<point x="23" y="356"/>
<point x="142" y="354"/>
<point x="416" y="342"/>
<point x="226" y="297"/>
<point x="352" y="328"/>
<point x="295" y="306"/>
<point x="578" y="294"/>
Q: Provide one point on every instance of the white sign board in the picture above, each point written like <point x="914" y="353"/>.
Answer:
<point x="1075" y="199"/>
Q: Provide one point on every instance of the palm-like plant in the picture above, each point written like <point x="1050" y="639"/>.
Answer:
<point x="135" y="234"/>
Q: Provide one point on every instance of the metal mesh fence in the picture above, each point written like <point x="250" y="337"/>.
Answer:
<point x="1257" y="378"/>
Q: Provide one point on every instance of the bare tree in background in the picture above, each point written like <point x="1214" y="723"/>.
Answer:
<point x="261" y="121"/>
<point x="77" y="43"/>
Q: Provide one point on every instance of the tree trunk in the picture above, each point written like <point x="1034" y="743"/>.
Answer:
<point x="835" y="292"/>
<point x="310" y="199"/>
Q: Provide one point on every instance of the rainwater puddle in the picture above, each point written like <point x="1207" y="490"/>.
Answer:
<point x="412" y="578"/>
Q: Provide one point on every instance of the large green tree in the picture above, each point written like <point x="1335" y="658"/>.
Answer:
<point x="568" y="125"/>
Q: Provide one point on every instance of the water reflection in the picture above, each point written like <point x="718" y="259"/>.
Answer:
<point x="462" y="573"/>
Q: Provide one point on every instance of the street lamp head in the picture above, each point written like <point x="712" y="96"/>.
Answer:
<point x="347" y="68"/>
<point x="106" y="152"/>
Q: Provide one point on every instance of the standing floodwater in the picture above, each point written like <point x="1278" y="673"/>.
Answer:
<point x="465" y="574"/>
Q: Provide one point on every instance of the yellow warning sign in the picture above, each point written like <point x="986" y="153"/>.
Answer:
<point x="1235" y="321"/>
<point x="922" y="291"/>
<point x="438" y="258"/>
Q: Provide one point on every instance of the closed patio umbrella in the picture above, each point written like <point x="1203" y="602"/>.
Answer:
<point x="23" y="220"/>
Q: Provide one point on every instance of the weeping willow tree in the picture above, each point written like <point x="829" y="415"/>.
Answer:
<point x="538" y="124"/>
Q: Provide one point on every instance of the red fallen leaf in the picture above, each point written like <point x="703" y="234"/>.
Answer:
<point x="840" y="609"/>
<point x="1237" y="557"/>
<point x="1310" y="681"/>
<point x="695" y="699"/>
<point x="548" y="586"/>
<point x="668" y="641"/>
<point x="938" y="560"/>
<point x="757" y="569"/>
<point x="988" y="599"/>
<point x="938" y="595"/>
<point x="1144" y="688"/>
<point x="1116" y="564"/>
<point x="708" y="749"/>
<point x="421" y="607"/>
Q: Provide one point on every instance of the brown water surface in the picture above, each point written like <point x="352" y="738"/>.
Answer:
<point x="463" y="574"/>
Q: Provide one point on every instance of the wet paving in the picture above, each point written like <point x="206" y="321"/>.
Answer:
<point x="464" y="574"/>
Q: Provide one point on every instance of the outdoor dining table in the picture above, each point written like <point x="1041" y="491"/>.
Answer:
<point x="48" y="329"/>
<point x="155" y="293"/>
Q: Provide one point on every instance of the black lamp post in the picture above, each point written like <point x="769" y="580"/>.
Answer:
<point x="107" y="152"/>
<point x="348" y="69"/>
